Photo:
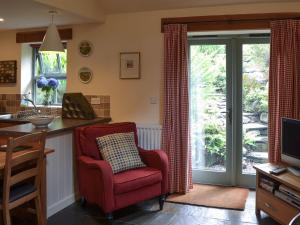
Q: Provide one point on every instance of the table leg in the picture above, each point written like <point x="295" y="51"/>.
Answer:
<point x="257" y="212"/>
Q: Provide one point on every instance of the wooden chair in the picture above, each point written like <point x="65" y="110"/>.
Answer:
<point x="22" y="174"/>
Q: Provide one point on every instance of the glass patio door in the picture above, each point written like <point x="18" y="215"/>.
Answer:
<point x="252" y="116"/>
<point x="210" y="110"/>
<point x="229" y="108"/>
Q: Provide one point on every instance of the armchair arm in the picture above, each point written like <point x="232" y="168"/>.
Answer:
<point x="157" y="159"/>
<point x="96" y="182"/>
<point x="96" y="164"/>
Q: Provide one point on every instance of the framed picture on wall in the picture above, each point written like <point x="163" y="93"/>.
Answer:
<point x="8" y="72"/>
<point x="130" y="65"/>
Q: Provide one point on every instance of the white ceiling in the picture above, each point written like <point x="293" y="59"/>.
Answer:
<point x="118" y="6"/>
<point x="19" y="14"/>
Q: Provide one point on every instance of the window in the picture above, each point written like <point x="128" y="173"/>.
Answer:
<point x="49" y="65"/>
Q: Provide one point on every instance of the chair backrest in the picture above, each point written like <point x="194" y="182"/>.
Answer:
<point x="85" y="137"/>
<point x="22" y="152"/>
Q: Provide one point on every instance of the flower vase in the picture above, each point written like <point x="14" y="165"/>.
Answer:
<point x="47" y="98"/>
<point x="48" y="86"/>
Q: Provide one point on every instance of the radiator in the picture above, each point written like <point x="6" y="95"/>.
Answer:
<point x="149" y="136"/>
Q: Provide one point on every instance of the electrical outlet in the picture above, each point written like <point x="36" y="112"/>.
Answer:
<point x="95" y="101"/>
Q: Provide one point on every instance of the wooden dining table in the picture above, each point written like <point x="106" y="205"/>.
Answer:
<point x="43" y="181"/>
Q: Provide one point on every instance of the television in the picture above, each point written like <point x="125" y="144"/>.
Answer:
<point x="290" y="144"/>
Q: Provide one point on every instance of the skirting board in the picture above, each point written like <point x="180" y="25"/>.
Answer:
<point x="60" y="205"/>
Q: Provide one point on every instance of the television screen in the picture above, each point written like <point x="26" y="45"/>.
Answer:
<point x="290" y="132"/>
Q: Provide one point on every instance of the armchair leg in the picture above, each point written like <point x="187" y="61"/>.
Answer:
<point x="161" y="201"/>
<point x="109" y="216"/>
<point x="82" y="201"/>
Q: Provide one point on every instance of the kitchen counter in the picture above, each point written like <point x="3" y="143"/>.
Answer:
<point x="61" y="164"/>
<point x="57" y="126"/>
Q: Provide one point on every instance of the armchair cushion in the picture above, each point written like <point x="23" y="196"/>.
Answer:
<point x="120" y="151"/>
<point x="134" y="179"/>
<point x="86" y="136"/>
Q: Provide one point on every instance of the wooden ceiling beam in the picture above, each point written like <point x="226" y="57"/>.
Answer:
<point x="37" y="36"/>
<point x="229" y="22"/>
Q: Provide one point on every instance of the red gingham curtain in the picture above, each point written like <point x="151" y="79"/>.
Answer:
<point x="176" y="108"/>
<point x="284" y="80"/>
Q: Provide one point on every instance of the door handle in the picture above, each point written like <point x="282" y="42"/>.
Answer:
<point x="229" y="115"/>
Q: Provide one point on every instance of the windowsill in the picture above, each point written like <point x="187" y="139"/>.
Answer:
<point x="43" y="106"/>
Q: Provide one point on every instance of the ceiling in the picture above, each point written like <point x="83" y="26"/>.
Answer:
<point x="19" y="14"/>
<point x="117" y="6"/>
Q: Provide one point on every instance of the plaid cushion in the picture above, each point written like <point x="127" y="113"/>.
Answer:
<point x="120" y="151"/>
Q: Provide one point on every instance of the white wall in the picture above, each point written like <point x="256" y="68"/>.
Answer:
<point x="26" y="69"/>
<point x="130" y="99"/>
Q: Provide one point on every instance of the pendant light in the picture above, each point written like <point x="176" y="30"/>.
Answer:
<point x="51" y="41"/>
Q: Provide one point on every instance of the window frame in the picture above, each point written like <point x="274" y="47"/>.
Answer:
<point x="36" y="58"/>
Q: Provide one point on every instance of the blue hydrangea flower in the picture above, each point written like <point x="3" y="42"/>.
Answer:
<point x="53" y="83"/>
<point x="42" y="82"/>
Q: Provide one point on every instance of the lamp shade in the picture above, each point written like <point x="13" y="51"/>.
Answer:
<point x="51" y="41"/>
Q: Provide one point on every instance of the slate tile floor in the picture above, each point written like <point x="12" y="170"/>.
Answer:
<point x="173" y="214"/>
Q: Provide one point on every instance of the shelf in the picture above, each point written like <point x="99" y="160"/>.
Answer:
<point x="275" y="207"/>
<point x="286" y="178"/>
<point x="278" y="209"/>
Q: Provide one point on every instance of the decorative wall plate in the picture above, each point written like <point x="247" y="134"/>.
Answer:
<point x="85" y="48"/>
<point x="85" y="75"/>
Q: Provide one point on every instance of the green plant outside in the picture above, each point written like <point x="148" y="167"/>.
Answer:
<point x="208" y="78"/>
<point x="210" y="82"/>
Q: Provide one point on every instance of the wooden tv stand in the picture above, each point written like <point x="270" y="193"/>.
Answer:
<point x="266" y="201"/>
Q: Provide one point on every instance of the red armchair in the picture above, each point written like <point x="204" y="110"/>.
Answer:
<point x="98" y="184"/>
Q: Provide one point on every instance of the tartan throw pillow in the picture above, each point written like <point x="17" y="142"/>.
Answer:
<point x="120" y="151"/>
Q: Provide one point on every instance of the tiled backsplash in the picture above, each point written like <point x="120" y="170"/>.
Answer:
<point x="11" y="103"/>
<point x="102" y="108"/>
